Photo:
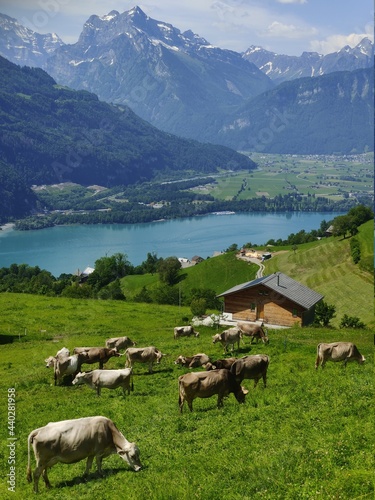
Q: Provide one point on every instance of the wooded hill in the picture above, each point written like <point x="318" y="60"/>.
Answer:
<point x="51" y="134"/>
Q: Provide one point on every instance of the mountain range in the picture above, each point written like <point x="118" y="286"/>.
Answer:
<point x="182" y="84"/>
<point x="281" y="68"/>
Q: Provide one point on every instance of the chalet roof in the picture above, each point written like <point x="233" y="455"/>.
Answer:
<point x="283" y="285"/>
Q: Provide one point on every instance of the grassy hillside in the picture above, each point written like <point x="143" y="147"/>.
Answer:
<point x="325" y="266"/>
<point x="307" y="435"/>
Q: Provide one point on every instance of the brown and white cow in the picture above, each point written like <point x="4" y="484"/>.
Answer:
<point x="63" y="364"/>
<point x="252" y="367"/>
<point x="338" y="351"/>
<point x="109" y="379"/>
<point x="228" y="337"/>
<point x="254" y="331"/>
<point x="220" y="364"/>
<point x="148" y="355"/>
<point x="184" y="331"/>
<point x="70" y="441"/>
<point x="97" y="355"/>
<point x="195" y="361"/>
<point x="206" y="384"/>
<point x="119" y="343"/>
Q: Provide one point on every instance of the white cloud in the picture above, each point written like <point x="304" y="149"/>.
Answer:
<point x="334" y="43"/>
<point x="289" y="31"/>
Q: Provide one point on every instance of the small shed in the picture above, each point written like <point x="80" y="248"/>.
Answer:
<point x="274" y="299"/>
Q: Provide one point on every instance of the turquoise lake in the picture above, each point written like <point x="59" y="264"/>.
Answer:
<point x="65" y="249"/>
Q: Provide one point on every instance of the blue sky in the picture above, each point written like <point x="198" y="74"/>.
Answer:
<point x="282" y="26"/>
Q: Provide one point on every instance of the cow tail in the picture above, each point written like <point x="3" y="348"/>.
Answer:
<point x="317" y="361"/>
<point x="29" y="441"/>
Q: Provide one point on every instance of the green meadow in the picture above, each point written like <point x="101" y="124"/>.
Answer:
<point x="328" y="176"/>
<point x="308" y="435"/>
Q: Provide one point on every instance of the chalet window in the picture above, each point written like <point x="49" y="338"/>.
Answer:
<point x="294" y="312"/>
<point x="252" y="306"/>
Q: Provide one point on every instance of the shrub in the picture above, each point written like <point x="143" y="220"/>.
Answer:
<point x="198" y="307"/>
<point x="351" y="322"/>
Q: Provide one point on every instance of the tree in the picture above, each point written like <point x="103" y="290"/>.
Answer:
<point x="151" y="263"/>
<point x="324" y="313"/>
<point x="341" y="225"/>
<point x="168" y="270"/>
<point x="108" y="269"/>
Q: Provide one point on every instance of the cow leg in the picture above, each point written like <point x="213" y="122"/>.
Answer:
<point x="37" y="472"/>
<point x="45" y="477"/>
<point x="101" y="364"/>
<point x="150" y="367"/>
<point x="265" y="379"/>
<point x="256" y="380"/>
<point x="220" y="398"/>
<point x="98" y="390"/>
<point x="88" y="466"/>
<point x="99" y="459"/>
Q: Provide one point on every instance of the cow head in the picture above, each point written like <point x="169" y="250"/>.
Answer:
<point x="240" y="394"/>
<point x="216" y="338"/>
<point x="78" y="380"/>
<point x="113" y="352"/>
<point x="130" y="453"/>
<point x="50" y="362"/>
<point x="362" y="360"/>
<point x="159" y="356"/>
<point x="181" y="360"/>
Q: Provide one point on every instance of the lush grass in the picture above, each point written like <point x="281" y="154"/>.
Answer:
<point x="308" y="435"/>
<point x="327" y="267"/>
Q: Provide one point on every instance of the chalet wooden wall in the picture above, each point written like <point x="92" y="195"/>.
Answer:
<point x="260" y="303"/>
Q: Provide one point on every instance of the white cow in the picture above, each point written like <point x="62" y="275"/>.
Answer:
<point x="338" y="351"/>
<point x="148" y="355"/>
<point x="70" y="441"/>
<point x="109" y="379"/>
<point x="64" y="364"/>
<point x="228" y="337"/>
<point x="184" y="331"/>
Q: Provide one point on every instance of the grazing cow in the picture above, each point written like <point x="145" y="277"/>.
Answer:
<point x="64" y="364"/>
<point x="148" y="355"/>
<point x="70" y="441"/>
<point x="220" y="364"/>
<point x="206" y="384"/>
<point x="119" y="343"/>
<point x="184" y="331"/>
<point x="109" y="379"/>
<point x="338" y="351"/>
<point x="254" y="331"/>
<point x="98" y="355"/>
<point x="228" y="337"/>
<point x="251" y="367"/>
<point x="199" y="359"/>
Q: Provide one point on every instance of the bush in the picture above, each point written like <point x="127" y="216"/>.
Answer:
<point x="351" y="322"/>
<point x="198" y="307"/>
<point x="355" y="250"/>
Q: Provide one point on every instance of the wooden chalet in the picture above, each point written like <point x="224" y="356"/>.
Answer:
<point x="276" y="299"/>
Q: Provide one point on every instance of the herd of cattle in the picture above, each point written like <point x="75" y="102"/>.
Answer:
<point x="97" y="437"/>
